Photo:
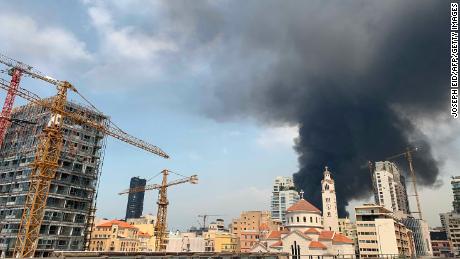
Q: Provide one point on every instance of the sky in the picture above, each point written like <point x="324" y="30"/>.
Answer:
<point x="163" y="75"/>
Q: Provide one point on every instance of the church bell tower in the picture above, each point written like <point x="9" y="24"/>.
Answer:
<point x="330" y="215"/>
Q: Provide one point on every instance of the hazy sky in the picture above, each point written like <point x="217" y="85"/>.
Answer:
<point x="152" y="67"/>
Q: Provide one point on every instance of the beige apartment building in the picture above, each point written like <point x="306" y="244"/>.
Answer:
<point x="380" y="234"/>
<point x="249" y="227"/>
<point x="146" y="227"/>
<point x="115" y="235"/>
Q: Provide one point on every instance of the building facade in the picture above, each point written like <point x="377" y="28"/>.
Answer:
<point x="283" y="196"/>
<point x="451" y="224"/>
<point x="115" y="236"/>
<point x="390" y="187"/>
<point x="135" y="204"/>
<point x="250" y="226"/>
<point x="330" y="214"/>
<point x="456" y="192"/>
<point x="380" y="234"/>
<point x="348" y="228"/>
<point x="442" y="247"/>
<point x="69" y="213"/>
<point x="146" y="226"/>
<point x="421" y="234"/>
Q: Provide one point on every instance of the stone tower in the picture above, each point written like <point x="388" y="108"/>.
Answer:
<point x="330" y="215"/>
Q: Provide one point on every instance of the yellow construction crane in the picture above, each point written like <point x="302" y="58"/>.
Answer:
<point x="408" y="155"/>
<point x="160" y="225"/>
<point x="47" y="155"/>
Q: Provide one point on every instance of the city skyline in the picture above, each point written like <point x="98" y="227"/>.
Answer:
<point x="159" y="94"/>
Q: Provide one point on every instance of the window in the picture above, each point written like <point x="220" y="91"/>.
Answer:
<point x="304" y="219"/>
<point x="311" y="219"/>
<point x="298" y="219"/>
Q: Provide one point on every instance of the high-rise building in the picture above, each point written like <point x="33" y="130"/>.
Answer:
<point x="284" y="195"/>
<point x="390" y="187"/>
<point x="330" y="215"/>
<point x="69" y="210"/>
<point x="380" y="234"/>
<point x="456" y="191"/>
<point x="135" y="204"/>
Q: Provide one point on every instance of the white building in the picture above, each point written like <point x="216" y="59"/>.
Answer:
<point x="185" y="242"/>
<point x="390" y="187"/>
<point x="305" y="235"/>
<point x="380" y="234"/>
<point x="330" y="215"/>
<point x="283" y="196"/>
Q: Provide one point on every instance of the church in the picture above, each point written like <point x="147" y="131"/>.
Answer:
<point x="308" y="232"/>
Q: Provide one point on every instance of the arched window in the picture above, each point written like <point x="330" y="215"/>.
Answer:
<point x="311" y="219"/>
<point x="298" y="219"/>
<point x="304" y="219"/>
<point x="292" y="219"/>
<point x="316" y="219"/>
<point x="326" y="187"/>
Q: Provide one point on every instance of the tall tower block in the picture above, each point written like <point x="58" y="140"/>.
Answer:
<point x="330" y="215"/>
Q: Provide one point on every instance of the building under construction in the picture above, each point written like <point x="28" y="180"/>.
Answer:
<point x="70" y="206"/>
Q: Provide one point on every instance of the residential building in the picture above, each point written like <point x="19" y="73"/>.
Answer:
<point x="379" y="233"/>
<point x="135" y="204"/>
<point x="69" y="212"/>
<point x="456" y="191"/>
<point x="115" y="235"/>
<point x="451" y="224"/>
<point x="330" y="214"/>
<point x="305" y="235"/>
<point x="283" y="196"/>
<point x="248" y="227"/>
<point x="146" y="226"/>
<point x="217" y="225"/>
<point x="442" y="247"/>
<point x="222" y="241"/>
<point x="390" y="187"/>
<point x="348" y="228"/>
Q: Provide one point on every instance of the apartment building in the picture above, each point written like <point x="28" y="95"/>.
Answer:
<point x="442" y="246"/>
<point x="390" y="187"/>
<point x="248" y="227"/>
<point x="69" y="213"/>
<point x="379" y="233"/>
<point x="115" y="235"/>
<point x="283" y="196"/>
<point x="451" y="224"/>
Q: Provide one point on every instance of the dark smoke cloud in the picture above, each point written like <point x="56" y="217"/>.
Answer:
<point x="354" y="76"/>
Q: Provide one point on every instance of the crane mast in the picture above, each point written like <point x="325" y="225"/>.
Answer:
<point x="162" y="202"/>
<point x="44" y="169"/>
<point x="162" y="212"/>
<point x="9" y="101"/>
<point x="408" y="155"/>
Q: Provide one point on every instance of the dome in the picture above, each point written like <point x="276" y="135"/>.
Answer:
<point x="303" y="205"/>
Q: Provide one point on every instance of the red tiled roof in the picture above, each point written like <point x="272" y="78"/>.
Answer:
<point x="120" y="223"/>
<point x="264" y="226"/>
<point x="312" y="231"/>
<point x="285" y="231"/>
<point x="316" y="244"/>
<point x="303" y="205"/>
<point x="277" y="244"/>
<point x="339" y="238"/>
<point x="326" y="235"/>
<point x="275" y="234"/>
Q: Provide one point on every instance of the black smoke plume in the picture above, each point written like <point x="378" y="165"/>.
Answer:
<point x="355" y="76"/>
